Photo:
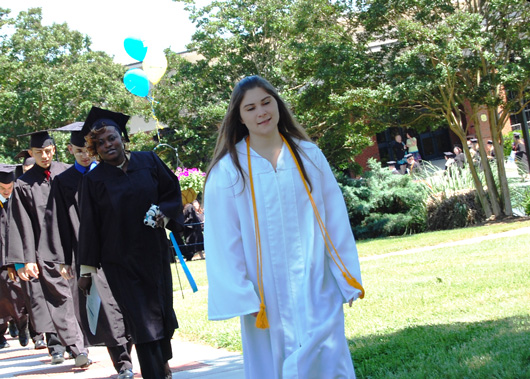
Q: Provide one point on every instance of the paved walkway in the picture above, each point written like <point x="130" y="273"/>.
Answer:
<point x="191" y="360"/>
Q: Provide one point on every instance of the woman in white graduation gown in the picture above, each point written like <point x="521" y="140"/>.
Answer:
<point x="276" y="273"/>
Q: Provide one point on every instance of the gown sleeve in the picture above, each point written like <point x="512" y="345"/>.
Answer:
<point x="57" y="242"/>
<point x="21" y="241"/>
<point x="230" y="291"/>
<point x="338" y="226"/>
<point x="89" y="248"/>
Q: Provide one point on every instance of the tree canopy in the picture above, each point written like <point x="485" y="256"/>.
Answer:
<point x="50" y="77"/>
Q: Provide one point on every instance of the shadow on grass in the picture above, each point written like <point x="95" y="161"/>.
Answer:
<point x="486" y="349"/>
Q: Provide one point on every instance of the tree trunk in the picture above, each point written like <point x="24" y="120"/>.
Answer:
<point x="490" y="180"/>
<point x="499" y="158"/>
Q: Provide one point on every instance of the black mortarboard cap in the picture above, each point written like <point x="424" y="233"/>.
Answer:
<point x="98" y="118"/>
<point x="391" y="163"/>
<point x="474" y="140"/>
<point x="22" y="154"/>
<point x="407" y="156"/>
<point x="39" y="139"/>
<point x="28" y="159"/>
<point x="449" y="154"/>
<point x="77" y="136"/>
<point x="517" y="135"/>
<point x="490" y="142"/>
<point x="7" y="173"/>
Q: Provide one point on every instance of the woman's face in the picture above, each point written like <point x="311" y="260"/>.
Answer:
<point x="109" y="146"/>
<point x="259" y="112"/>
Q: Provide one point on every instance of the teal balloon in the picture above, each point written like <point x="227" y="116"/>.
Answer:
<point x="136" y="82"/>
<point x="135" y="48"/>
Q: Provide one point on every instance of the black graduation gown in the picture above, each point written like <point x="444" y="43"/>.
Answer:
<point x="12" y="305"/>
<point x="62" y="215"/>
<point x="193" y="230"/>
<point x="135" y="257"/>
<point x="48" y="298"/>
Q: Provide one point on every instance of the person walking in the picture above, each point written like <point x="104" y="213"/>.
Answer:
<point x="272" y="207"/>
<point x="13" y="313"/>
<point x="51" y="305"/>
<point x="117" y="196"/>
<point x="62" y="215"/>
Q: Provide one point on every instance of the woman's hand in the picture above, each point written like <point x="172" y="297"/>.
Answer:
<point x="159" y="220"/>
<point x="84" y="283"/>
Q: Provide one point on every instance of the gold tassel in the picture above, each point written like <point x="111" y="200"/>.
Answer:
<point x="354" y="283"/>
<point x="261" y="319"/>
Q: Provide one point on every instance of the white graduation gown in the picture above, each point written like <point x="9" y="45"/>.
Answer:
<point x="304" y="289"/>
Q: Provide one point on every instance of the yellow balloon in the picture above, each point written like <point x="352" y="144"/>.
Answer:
<point x="154" y="65"/>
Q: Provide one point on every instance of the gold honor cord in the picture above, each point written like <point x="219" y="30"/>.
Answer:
<point x="261" y="320"/>
<point x="327" y="239"/>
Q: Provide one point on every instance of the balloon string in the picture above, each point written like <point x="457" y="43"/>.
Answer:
<point x="152" y="102"/>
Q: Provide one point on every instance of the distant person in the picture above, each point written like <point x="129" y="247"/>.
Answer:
<point x="474" y="151"/>
<point x="27" y="162"/>
<point x="521" y="159"/>
<point x="267" y="261"/>
<point x="13" y="313"/>
<point x="392" y="167"/>
<point x="413" y="167"/>
<point x="412" y="146"/>
<point x="460" y="158"/>
<point x="400" y="149"/>
<point x="491" y="151"/>
<point x="449" y="160"/>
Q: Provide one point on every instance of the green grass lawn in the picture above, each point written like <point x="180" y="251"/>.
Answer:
<point x="461" y="312"/>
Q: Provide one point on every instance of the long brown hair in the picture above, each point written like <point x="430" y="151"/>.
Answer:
<point x="232" y="130"/>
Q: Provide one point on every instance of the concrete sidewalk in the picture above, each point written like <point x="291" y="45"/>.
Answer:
<point x="190" y="360"/>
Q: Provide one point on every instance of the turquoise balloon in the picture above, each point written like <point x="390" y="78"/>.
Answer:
<point x="136" y="82"/>
<point x="135" y="48"/>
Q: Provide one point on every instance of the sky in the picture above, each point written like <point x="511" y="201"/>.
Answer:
<point x="160" y="23"/>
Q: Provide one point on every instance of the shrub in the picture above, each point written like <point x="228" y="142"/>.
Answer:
<point x="446" y="210"/>
<point x="383" y="204"/>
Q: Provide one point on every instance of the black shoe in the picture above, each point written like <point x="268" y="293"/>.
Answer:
<point x="4" y="344"/>
<point x="82" y="360"/>
<point x="57" y="358"/>
<point x="40" y="344"/>
<point x="126" y="373"/>
<point x="13" y="330"/>
<point x="23" y="337"/>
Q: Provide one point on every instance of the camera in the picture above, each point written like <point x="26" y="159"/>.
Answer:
<point x="151" y="215"/>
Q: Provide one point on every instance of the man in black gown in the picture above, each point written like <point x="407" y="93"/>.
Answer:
<point x="62" y="215"/>
<point x="49" y="299"/>
<point x="12" y="305"/>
